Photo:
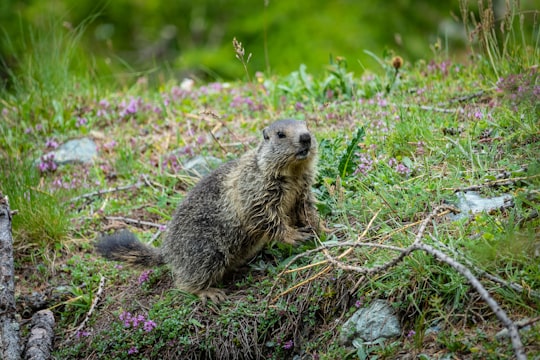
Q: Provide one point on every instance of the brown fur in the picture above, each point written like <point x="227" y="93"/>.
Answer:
<point x="228" y="217"/>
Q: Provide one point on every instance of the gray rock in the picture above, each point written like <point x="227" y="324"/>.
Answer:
<point x="471" y="202"/>
<point x="77" y="150"/>
<point x="201" y="166"/>
<point x="371" y="323"/>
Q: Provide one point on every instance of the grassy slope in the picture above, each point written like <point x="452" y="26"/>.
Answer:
<point x="440" y="127"/>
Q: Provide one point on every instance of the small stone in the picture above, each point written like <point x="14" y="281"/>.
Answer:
<point x="201" y="166"/>
<point x="470" y="202"/>
<point x="370" y="323"/>
<point x="76" y="151"/>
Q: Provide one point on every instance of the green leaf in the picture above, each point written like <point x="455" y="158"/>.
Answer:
<point x="346" y="163"/>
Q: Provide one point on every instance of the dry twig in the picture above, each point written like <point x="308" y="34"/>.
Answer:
<point x="92" y="307"/>
<point x="498" y="182"/>
<point x="133" y="221"/>
<point x="9" y="327"/>
<point x="106" y="191"/>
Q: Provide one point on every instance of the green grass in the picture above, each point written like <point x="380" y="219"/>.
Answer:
<point x="391" y="149"/>
<point x="42" y="224"/>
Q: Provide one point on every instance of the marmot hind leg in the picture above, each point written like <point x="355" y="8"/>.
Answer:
<point x="199" y="280"/>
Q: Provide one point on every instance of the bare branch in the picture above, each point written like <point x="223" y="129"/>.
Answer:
<point x="9" y="327"/>
<point x="106" y="191"/>
<point x="40" y="341"/>
<point x="493" y="183"/>
<point x="484" y="294"/>
<point x="92" y="307"/>
<point x="132" y="221"/>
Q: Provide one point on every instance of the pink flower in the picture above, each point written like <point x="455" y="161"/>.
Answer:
<point x="145" y="275"/>
<point x="82" y="333"/>
<point x="288" y="345"/>
<point x="110" y="145"/>
<point x="402" y="169"/>
<point x="81" y="121"/>
<point x="51" y="143"/>
<point x="149" y="325"/>
<point x="126" y="318"/>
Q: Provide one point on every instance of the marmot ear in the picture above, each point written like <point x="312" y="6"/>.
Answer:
<point x="265" y="134"/>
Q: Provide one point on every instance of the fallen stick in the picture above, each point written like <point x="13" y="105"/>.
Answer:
<point x="106" y="191"/>
<point x="9" y="327"/>
<point x="132" y="221"/>
<point x="40" y="341"/>
<point x="92" y="307"/>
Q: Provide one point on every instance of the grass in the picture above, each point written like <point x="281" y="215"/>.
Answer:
<point x="394" y="143"/>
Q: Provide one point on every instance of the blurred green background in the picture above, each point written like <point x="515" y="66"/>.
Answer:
<point x="195" y="37"/>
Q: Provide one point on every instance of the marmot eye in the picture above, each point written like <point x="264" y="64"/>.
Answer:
<point x="280" y="134"/>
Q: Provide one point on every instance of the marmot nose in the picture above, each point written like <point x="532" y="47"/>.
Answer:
<point x="305" y="139"/>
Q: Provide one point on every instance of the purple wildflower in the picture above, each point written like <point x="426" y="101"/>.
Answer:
<point x="136" y="320"/>
<point x="39" y="127"/>
<point x="145" y="275"/>
<point x="217" y="87"/>
<point x="51" y="144"/>
<point x="166" y="100"/>
<point x="288" y="345"/>
<point x="178" y="93"/>
<point x="365" y="164"/>
<point x="402" y="169"/>
<point x="81" y="121"/>
<point x="133" y="350"/>
<point x="379" y="125"/>
<point x="110" y="145"/>
<point x="126" y="318"/>
<point x="132" y="106"/>
<point x="82" y="333"/>
<point x="411" y="333"/>
<point x="420" y="148"/>
<point x="149" y="325"/>
<point x="47" y="163"/>
<point x="201" y="140"/>
<point x="237" y="101"/>
<point x="103" y="107"/>
<point x="299" y="106"/>
<point x="358" y="303"/>
<point x="57" y="183"/>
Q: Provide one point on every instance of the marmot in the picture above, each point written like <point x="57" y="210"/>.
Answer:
<point x="230" y="214"/>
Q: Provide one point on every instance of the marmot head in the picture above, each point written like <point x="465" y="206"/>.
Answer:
<point x="287" y="146"/>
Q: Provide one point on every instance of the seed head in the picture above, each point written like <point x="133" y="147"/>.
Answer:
<point x="397" y="62"/>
